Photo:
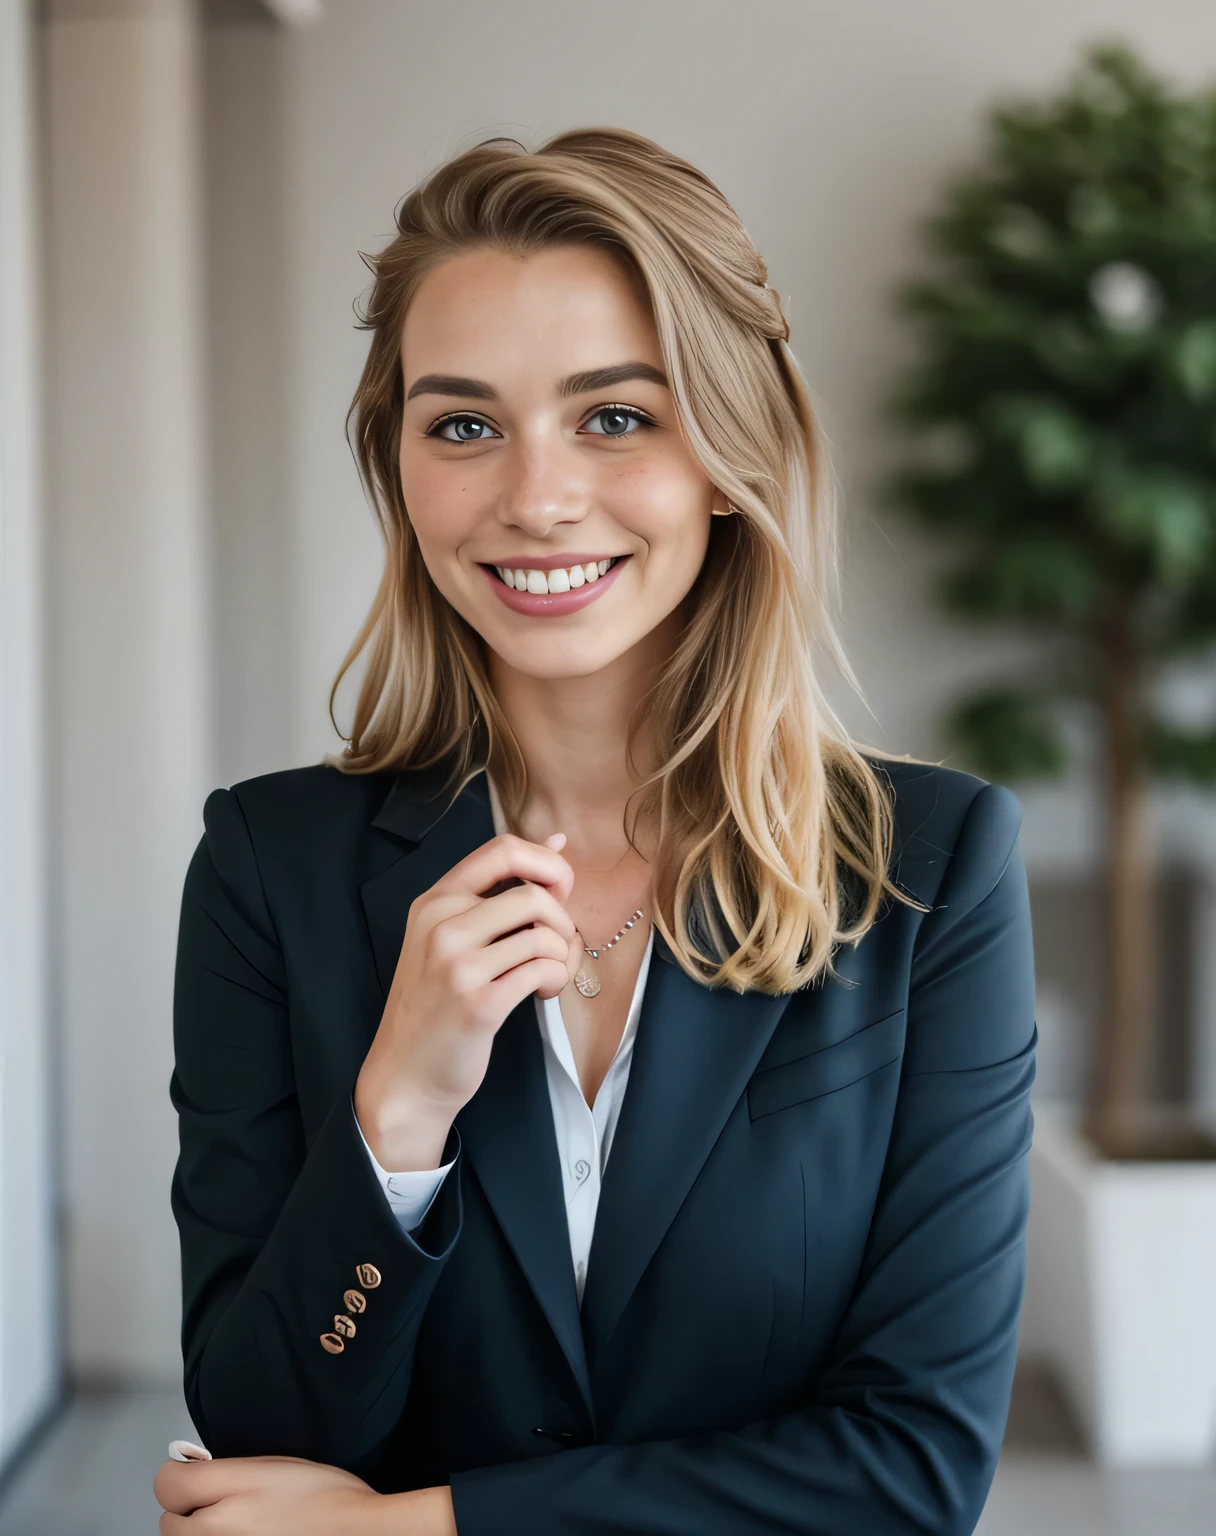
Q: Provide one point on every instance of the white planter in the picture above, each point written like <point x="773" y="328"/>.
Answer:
<point x="1121" y="1295"/>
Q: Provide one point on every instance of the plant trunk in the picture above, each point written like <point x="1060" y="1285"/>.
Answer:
<point x="1120" y="1047"/>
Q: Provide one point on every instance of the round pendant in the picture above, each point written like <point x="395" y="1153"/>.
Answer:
<point x="587" y="984"/>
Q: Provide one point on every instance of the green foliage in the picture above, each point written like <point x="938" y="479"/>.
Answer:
<point x="1061" y="414"/>
<point x="1008" y="735"/>
<point x="1182" y="754"/>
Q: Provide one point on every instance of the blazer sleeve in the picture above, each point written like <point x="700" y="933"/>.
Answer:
<point x="900" y="1434"/>
<point x="275" y="1233"/>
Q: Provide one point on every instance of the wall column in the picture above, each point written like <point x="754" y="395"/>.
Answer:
<point x="129" y="598"/>
<point x="29" y="1280"/>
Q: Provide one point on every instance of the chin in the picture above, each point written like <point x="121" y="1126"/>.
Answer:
<point x="552" y="660"/>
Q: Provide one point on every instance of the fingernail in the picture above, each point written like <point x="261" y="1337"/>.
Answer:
<point x="556" y="841"/>
<point x="186" y="1450"/>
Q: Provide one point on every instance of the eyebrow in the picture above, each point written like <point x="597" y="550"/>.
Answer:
<point x="576" y="384"/>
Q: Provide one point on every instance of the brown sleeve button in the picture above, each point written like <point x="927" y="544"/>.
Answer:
<point x="332" y="1343"/>
<point x="368" y="1275"/>
<point x="344" y="1325"/>
<point x="354" y="1301"/>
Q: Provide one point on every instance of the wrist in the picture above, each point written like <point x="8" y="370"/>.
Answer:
<point x="405" y="1133"/>
<point x="423" y="1512"/>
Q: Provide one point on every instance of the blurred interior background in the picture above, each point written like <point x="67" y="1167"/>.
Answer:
<point x="184" y="192"/>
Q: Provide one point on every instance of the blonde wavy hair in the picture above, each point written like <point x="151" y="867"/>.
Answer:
<point x="775" y="831"/>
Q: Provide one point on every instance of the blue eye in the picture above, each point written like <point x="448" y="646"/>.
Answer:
<point x="616" y="421"/>
<point x="467" y="429"/>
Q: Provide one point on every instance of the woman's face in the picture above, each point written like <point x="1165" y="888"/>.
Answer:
<point x="539" y="434"/>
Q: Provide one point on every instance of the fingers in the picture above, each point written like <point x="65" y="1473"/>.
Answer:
<point x="475" y="945"/>
<point x="184" y="1486"/>
<point x="502" y="915"/>
<point x="545" y="976"/>
<point x="496" y="919"/>
<point x="500" y="960"/>
<point x="484" y="981"/>
<point x="505" y="856"/>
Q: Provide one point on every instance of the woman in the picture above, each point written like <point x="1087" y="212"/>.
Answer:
<point x="597" y="831"/>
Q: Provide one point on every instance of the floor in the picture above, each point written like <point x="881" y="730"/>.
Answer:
<point x="1045" y="1486"/>
<point x="92" y="1476"/>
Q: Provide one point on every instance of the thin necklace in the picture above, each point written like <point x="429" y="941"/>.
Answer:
<point x="585" y="979"/>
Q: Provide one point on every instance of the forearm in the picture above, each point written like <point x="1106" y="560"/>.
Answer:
<point x="259" y="1378"/>
<point x="285" y="1236"/>
<point x="817" y="1473"/>
<point x="894" y="1448"/>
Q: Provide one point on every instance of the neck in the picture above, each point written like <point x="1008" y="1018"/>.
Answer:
<point x="571" y="731"/>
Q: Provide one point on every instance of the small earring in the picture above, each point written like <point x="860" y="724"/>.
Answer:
<point x="730" y="507"/>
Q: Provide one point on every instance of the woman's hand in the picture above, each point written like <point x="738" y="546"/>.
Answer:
<point x="290" y="1496"/>
<point x="265" y="1496"/>
<point x="472" y="951"/>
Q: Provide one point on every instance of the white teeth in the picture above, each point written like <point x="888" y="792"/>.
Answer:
<point x="541" y="582"/>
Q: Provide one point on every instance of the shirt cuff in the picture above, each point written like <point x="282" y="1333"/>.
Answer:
<point x="409" y="1194"/>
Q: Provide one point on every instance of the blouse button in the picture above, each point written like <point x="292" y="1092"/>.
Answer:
<point x="368" y="1276"/>
<point x="332" y="1343"/>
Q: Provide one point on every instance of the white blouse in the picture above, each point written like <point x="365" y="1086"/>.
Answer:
<point x="584" y="1133"/>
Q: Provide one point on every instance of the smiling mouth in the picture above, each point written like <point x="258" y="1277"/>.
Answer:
<point x="560" y="579"/>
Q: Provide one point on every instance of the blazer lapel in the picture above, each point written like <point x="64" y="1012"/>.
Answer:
<point x="508" y="1135"/>
<point x="695" y="1049"/>
<point x="506" y="1128"/>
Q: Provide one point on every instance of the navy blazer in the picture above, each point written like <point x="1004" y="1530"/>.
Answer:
<point x="803" y="1291"/>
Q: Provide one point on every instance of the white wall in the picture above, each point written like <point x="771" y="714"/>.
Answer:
<point x="29" y="1276"/>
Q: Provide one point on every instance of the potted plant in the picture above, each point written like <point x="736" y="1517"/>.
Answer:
<point x="1060" y="419"/>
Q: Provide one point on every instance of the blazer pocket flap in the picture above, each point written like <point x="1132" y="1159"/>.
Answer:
<point x="825" y="1070"/>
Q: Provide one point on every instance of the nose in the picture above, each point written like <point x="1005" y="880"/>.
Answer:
<point x="544" y="484"/>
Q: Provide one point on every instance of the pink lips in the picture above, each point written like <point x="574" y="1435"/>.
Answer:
<point x="553" y="604"/>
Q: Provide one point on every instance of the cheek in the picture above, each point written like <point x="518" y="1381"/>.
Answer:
<point x="667" y="506"/>
<point x="438" y="500"/>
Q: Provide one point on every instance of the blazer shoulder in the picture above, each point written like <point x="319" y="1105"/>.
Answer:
<point x="317" y="801"/>
<point x="949" y="825"/>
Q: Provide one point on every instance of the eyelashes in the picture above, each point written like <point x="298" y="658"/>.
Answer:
<point x="631" y="413"/>
<point x="458" y="419"/>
